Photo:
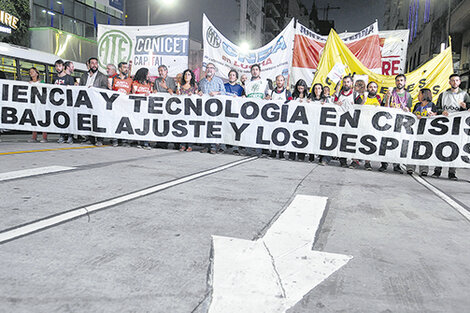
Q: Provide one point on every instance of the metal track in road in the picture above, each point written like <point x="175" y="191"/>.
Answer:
<point x="455" y="204"/>
<point x="62" y="217"/>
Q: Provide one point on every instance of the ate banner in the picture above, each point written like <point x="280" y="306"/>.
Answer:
<point x="145" y="46"/>
<point x="275" y="58"/>
<point x="363" y="132"/>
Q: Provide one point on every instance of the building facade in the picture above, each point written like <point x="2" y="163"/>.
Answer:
<point x="430" y="24"/>
<point x="251" y="22"/>
<point x="69" y="28"/>
<point x="278" y="13"/>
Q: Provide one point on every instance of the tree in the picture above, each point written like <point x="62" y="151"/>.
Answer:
<point x="20" y="9"/>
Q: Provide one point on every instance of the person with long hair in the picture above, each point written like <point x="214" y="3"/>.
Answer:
<point x="317" y="97"/>
<point x="188" y="84"/>
<point x="141" y="83"/>
<point x="188" y="87"/>
<point x="141" y="86"/>
<point x="300" y="90"/>
<point x="424" y="108"/>
<point x="300" y="93"/>
<point x="317" y="94"/>
<point x="34" y="78"/>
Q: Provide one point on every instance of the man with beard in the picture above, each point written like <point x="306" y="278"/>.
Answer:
<point x="164" y="83"/>
<point x="397" y="98"/>
<point x="121" y="83"/>
<point x="451" y="101"/>
<point x="372" y="98"/>
<point x="94" y="78"/>
<point x="346" y="97"/>
<point x="62" y="78"/>
<point x="213" y="86"/>
<point x="65" y="79"/>
<point x="280" y="92"/>
<point x="243" y="79"/>
<point x="256" y="87"/>
<point x="69" y="67"/>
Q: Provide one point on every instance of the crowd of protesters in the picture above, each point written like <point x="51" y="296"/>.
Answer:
<point x="347" y="93"/>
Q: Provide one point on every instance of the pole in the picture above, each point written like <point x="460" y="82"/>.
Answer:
<point x="448" y="21"/>
<point x="148" y="13"/>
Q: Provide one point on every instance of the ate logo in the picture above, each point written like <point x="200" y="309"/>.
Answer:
<point x="113" y="47"/>
<point x="212" y="37"/>
<point x="256" y="88"/>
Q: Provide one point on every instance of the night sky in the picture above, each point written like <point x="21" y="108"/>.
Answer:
<point x="353" y="15"/>
<point x="224" y="14"/>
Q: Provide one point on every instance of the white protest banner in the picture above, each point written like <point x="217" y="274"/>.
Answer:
<point x="337" y="72"/>
<point x="275" y="58"/>
<point x="364" y="78"/>
<point x="145" y="46"/>
<point x="308" y="47"/>
<point x="364" y="132"/>
<point x="394" y="44"/>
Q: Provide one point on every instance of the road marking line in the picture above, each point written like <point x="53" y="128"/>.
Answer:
<point x="47" y="222"/>
<point x="46" y="150"/>
<point x="272" y="273"/>
<point x="34" y="172"/>
<point x="443" y="196"/>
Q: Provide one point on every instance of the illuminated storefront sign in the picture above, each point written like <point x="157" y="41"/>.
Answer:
<point x="8" y="20"/>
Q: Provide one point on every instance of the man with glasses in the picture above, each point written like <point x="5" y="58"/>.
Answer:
<point x="212" y="85"/>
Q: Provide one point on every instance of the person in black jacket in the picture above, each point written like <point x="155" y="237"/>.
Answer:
<point x="94" y="78"/>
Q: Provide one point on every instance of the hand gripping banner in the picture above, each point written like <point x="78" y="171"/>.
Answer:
<point x="364" y="132"/>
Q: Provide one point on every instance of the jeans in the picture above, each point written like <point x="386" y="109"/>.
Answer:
<point x="216" y="146"/>
<point x="422" y="168"/>
<point x="452" y="170"/>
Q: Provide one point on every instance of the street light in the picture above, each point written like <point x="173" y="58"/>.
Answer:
<point x="245" y="47"/>
<point x="162" y="4"/>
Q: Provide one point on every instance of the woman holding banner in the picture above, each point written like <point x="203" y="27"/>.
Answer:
<point x="34" y="79"/>
<point x="141" y="86"/>
<point x="424" y="108"/>
<point x="318" y="97"/>
<point x="188" y="87"/>
<point x="300" y="90"/>
<point x="300" y="93"/>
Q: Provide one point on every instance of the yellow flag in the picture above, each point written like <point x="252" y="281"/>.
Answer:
<point x="433" y="75"/>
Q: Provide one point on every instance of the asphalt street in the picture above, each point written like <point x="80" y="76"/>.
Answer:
<point x="144" y="243"/>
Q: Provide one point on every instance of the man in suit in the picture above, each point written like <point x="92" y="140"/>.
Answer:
<point x="94" y="78"/>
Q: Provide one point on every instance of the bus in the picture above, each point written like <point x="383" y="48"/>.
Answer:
<point x="15" y="62"/>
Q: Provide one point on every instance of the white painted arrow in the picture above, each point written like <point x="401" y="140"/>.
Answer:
<point x="273" y="273"/>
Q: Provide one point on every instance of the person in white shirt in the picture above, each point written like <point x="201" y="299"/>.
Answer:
<point x="451" y="101"/>
<point x="256" y="87"/>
